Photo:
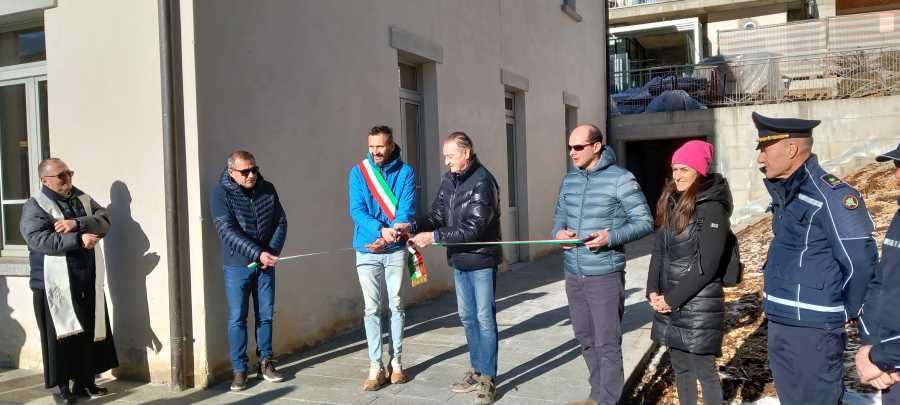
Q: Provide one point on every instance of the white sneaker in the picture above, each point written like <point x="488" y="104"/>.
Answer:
<point x="374" y="370"/>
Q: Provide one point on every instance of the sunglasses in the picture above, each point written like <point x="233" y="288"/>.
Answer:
<point x="246" y="172"/>
<point x="579" y="148"/>
<point x="63" y="175"/>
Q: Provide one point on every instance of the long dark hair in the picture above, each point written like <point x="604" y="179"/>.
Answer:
<point x="679" y="216"/>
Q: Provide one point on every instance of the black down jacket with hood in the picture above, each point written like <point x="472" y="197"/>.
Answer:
<point x="687" y="268"/>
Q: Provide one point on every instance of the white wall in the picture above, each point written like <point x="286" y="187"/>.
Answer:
<point x="105" y="122"/>
<point x="735" y="19"/>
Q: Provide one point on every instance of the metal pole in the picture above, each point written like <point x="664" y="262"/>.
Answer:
<point x="169" y="49"/>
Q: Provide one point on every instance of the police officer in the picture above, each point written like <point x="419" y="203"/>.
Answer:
<point x="819" y="264"/>
<point x="878" y="359"/>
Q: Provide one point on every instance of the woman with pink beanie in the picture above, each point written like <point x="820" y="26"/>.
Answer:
<point x="684" y="284"/>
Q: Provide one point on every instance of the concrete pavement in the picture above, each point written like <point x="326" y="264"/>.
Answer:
<point x="539" y="360"/>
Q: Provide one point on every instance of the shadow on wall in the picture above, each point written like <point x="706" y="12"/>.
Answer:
<point x="127" y="266"/>
<point x="12" y="335"/>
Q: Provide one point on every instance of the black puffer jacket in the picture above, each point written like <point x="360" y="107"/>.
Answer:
<point x="466" y="209"/>
<point x="687" y="268"/>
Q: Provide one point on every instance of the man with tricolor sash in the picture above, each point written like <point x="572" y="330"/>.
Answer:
<point x="382" y="193"/>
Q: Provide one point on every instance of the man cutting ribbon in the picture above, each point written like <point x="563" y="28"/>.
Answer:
<point x="382" y="193"/>
<point x="467" y="209"/>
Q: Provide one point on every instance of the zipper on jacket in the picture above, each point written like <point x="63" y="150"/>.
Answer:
<point x="587" y="180"/>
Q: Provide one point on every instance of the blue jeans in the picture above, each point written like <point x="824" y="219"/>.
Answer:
<point x="240" y="284"/>
<point x="375" y="269"/>
<point x="475" y="302"/>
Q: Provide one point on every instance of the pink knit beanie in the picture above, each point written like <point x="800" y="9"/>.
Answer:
<point x="694" y="154"/>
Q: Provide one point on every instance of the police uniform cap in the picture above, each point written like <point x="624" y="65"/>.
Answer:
<point x="775" y="129"/>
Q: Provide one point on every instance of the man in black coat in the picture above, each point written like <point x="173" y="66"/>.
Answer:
<point x="61" y="226"/>
<point x="467" y="209"/>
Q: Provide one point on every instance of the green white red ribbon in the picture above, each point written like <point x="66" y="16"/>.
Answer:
<point x="415" y="263"/>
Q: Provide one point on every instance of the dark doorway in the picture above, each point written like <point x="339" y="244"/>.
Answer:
<point x="650" y="163"/>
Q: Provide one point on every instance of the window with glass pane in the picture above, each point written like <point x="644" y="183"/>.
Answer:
<point x="24" y="135"/>
<point x="23" y="46"/>
<point x="13" y="157"/>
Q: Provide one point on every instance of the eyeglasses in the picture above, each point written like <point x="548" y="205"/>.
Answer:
<point x="63" y="175"/>
<point x="579" y="148"/>
<point x="246" y="172"/>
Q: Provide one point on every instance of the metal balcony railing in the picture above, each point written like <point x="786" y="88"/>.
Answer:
<point x="760" y="79"/>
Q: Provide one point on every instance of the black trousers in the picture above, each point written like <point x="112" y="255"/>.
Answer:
<point x="689" y="368"/>
<point x="77" y="357"/>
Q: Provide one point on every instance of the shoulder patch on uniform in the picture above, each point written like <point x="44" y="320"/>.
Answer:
<point x="832" y="180"/>
<point x="850" y="202"/>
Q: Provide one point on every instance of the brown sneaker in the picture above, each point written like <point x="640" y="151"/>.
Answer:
<point x="239" y="382"/>
<point x="468" y="383"/>
<point x="395" y="370"/>
<point x="375" y="380"/>
<point x="268" y="372"/>
<point x="486" y="390"/>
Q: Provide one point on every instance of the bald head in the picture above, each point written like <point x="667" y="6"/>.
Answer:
<point x="585" y="145"/>
<point x="590" y="132"/>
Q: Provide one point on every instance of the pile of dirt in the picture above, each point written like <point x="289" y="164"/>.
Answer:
<point x="743" y="365"/>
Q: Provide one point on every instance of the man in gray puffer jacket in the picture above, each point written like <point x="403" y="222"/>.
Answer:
<point x="602" y="204"/>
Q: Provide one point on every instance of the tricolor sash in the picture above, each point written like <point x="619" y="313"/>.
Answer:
<point x="415" y="263"/>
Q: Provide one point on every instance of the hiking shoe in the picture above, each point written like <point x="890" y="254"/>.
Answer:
<point x="486" y="390"/>
<point x="395" y="370"/>
<point x="239" y="383"/>
<point x="376" y="378"/>
<point x="64" y="396"/>
<point x="90" y="392"/>
<point x="468" y="383"/>
<point x="268" y="372"/>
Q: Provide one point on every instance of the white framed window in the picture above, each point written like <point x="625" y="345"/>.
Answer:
<point x="23" y="128"/>
<point x="410" y="138"/>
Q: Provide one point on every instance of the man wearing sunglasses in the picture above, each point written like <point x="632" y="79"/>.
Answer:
<point x="252" y="228"/>
<point x="61" y="226"/>
<point x="602" y="204"/>
<point x="878" y="358"/>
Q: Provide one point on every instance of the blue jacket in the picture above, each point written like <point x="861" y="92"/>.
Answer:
<point x="879" y="324"/>
<point x="249" y="222"/>
<point x="368" y="219"/>
<point x="605" y="196"/>
<point x="823" y="254"/>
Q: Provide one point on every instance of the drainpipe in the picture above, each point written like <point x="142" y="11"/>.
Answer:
<point x="169" y="52"/>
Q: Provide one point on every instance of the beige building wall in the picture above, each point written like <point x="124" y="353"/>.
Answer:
<point x="300" y="83"/>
